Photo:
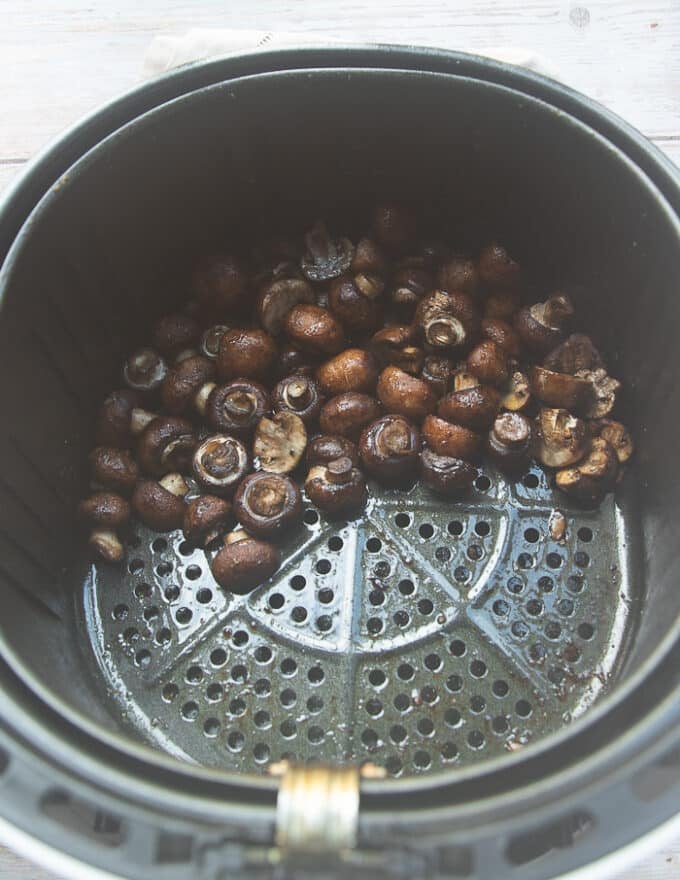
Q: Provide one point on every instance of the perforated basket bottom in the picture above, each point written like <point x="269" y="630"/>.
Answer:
<point x="423" y="636"/>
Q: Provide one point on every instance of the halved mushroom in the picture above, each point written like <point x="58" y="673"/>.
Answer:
<point x="206" y="518"/>
<point x="220" y="283"/>
<point x="438" y="372"/>
<point x="561" y="439"/>
<point x="166" y="444"/>
<point x="174" y="334"/>
<point x="113" y="426"/>
<point x="277" y="298"/>
<point x="577" y="352"/>
<point x="244" y="562"/>
<point x="393" y="226"/>
<point x="184" y="382"/>
<point x="405" y="395"/>
<point x="474" y="408"/>
<point x="503" y="334"/>
<point x="616" y="434"/>
<point x="356" y="302"/>
<point x="113" y="469"/>
<point x="604" y="391"/>
<point x="145" y="370"/>
<point x="452" y="441"/>
<point x="389" y="449"/>
<point x="336" y="487"/>
<point x="315" y="330"/>
<point x="496" y="267"/>
<point x="445" y="475"/>
<point x="246" y="354"/>
<point x="509" y="442"/>
<point x="210" y="341"/>
<point x="160" y="505"/>
<point x="561" y="389"/>
<point x="300" y="395"/>
<point x="596" y="475"/>
<point x="325" y="257"/>
<point x="542" y="326"/>
<point x="347" y="414"/>
<point x="489" y="362"/>
<point x="447" y="320"/>
<point x="516" y="393"/>
<point x="280" y="442"/>
<point x="267" y="504"/>
<point x="368" y="259"/>
<point x="459" y="273"/>
<point x="352" y="370"/>
<point x="220" y="463"/>
<point x="237" y="407"/>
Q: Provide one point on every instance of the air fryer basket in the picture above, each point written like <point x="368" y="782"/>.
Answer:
<point x="426" y="636"/>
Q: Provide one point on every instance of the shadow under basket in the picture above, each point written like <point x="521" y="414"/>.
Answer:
<point x="494" y="673"/>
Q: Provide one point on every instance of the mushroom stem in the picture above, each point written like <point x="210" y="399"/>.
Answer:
<point x="339" y="471"/>
<point x="445" y="330"/>
<point x="202" y="395"/>
<point x="239" y="404"/>
<point x="106" y="544"/>
<point x="175" y="484"/>
<point x="395" y="438"/>
<point x="267" y="497"/>
<point x="139" y="419"/>
<point x="298" y="393"/>
<point x="235" y="536"/>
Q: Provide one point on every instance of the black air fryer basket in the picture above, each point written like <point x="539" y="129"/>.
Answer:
<point x="512" y="700"/>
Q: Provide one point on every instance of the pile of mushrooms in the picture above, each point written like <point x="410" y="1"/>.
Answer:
<point x="313" y="364"/>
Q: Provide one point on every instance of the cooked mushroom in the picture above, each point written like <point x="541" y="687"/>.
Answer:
<point x="113" y="427"/>
<point x="113" y="469"/>
<point x="105" y="510"/>
<point x="438" y="372"/>
<point x="409" y="286"/>
<point x="577" y="352"/>
<point x="352" y="370"/>
<point x="210" y="341"/>
<point x="105" y="544"/>
<point x="616" y="435"/>
<point x="447" y="320"/>
<point x="393" y="346"/>
<point x="174" y="334"/>
<point x="516" y="393"/>
<point x="206" y="518"/>
<point x="561" y="439"/>
<point x="314" y="330"/>
<point x="220" y="284"/>
<point x="277" y="298"/>
<point x="347" y="414"/>
<point x="503" y="335"/>
<point x="280" y="442"/>
<point x="300" y="395"/>
<point x="244" y="562"/>
<point x="389" y="449"/>
<point x="474" y="408"/>
<point x="336" y="487"/>
<point x="292" y="360"/>
<point x="166" y="444"/>
<point x="501" y="305"/>
<point x="325" y="257"/>
<point x="463" y="379"/>
<point x="160" y="505"/>
<point x="404" y="394"/>
<point x="509" y="442"/>
<point x="489" y="362"/>
<point x="267" y="504"/>
<point x="445" y="475"/>
<point x="394" y="226"/>
<point x="246" y="354"/>
<point x="430" y="254"/>
<point x="368" y="259"/>
<point x="542" y="326"/>
<point x="184" y="382"/>
<point x="604" y="391"/>
<point x="356" y="302"/>
<point x="459" y="273"/>
<point x="496" y="267"/>
<point x="452" y="441"/>
<point x="594" y="476"/>
<point x="327" y="447"/>
<point x="145" y="370"/>
<point x="237" y="407"/>
<point x="561" y="389"/>
<point x="220" y="463"/>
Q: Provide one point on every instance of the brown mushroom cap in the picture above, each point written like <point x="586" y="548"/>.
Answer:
<point x="106" y="545"/>
<point x="237" y="407"/>
<point x="183" y="382"/>
<point x="489" y="362"/>
<point x="594" y="476"/>
<point x="503" y="334"/>
<point x="438" y="372"/>
<point x="509" y="442"/>
<point x="496" y="267"/>
<point x="356" y="303"/>
<point x="246" y="354"/>
<point x="560" y="389"/>
<point x="561" y="439"/>
<point x="157" y="507"/>
<point x="113" y="420"/>
<point x="242" y="565"/>
<point x="205" y="518"/>
<point x="409" y="285"/>
<point x="314" y="330"/>
<point x="337" y="487"/>
<point x="166" y="444"/>
<point x="393" y="346"/>
<point x="474" y="408"/>
<point x="389" y="449"/>
<point x="542" y="326"/>
<point x="352" y="370"/>
<point x="328" y="447"/>
<point x="502" y="305"/>
<point x="453" y="441"/>
<point x="617" y="435"/>
<point x="292" y="360"/>
<point x="298" y="394"/>
<point x="113" y="469"/>
<point x="516" y="394"/>
<point x="175" y="333"/>
<point x="220" y="283"/>
<point x="277" y="298"/>
<point x="210" y="340"/>
<point x="604" y="391"/>
<point x="325" y="257"/>
<point x="404" y="394"/>
<point x="368" y="257"/>
<point x="267" y="504"/>
<point x="445" y="475"/>
<point x="459" y="273"/>
<point x="447" y="319"/>
<point x="145" y="370"/>
<point x="577" y="352"/>
<point x="104" y="509"/>
<point x="347" y="414"/>
<point x="220" y="463"/>
<point x="393" y="226"/>
<point x="280" y="442"/>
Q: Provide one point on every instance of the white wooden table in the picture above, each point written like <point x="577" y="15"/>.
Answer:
<point x="59" y="59"/>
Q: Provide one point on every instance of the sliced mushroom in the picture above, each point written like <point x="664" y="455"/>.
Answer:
<point x="452" y="441"/>
<point x="496" y="267"/>
<point x="503" y="335"/>
<point x="206" y="518"/>
<point x="405" y="395"/>
<point x="114" y="417"/>
<point x="596" y="475"/>
<point x="325" y="257"/>
<point x="577" y="352"/>
<point x="474" y="408"/>
<point x="561" y="389"/>
<point x="280" y="442"/>
<point x="347" y="414"/>
<point x="509" y="442"/>
<point x="145" y="370"/>
<point x="336" y="487"/>
<point x="445" y="475"/>
<point x="542" y="326"/>
<point x="184" y="381"/>
<point x="277" y="299"/>
<point x="389" y="449"/>
<point x="314" y="330"/>
<point x="393" y="226"/>
<point x="160" y="505"/>
<point x="246" y="354"/>
<point x="244" y="563"/>
<point x="327" y="447"/>
<point x="438" y="372"/>
<point x="617" y="435"/>
<point x="604" y="390"/>
<point x="447" y="320"/>
<point x="220" y="283"/>
<point x="113" y="469"/>
<point x="352" y="370"/>
<point x="561" y="438"/>
<point x="210" y="341"/>
<point x="300" y="395"/>
<point x="489" y="362"/>
<point x="516" y="393"/>
<point x="356" y="302"/>
<point x="166" y="444"/>
<point x="220" y="463"/>
<point x="174" y="334"/>
<point x="237" y="407"/>
<point x="267" y="504"/>
<point x="459" y="273"/>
